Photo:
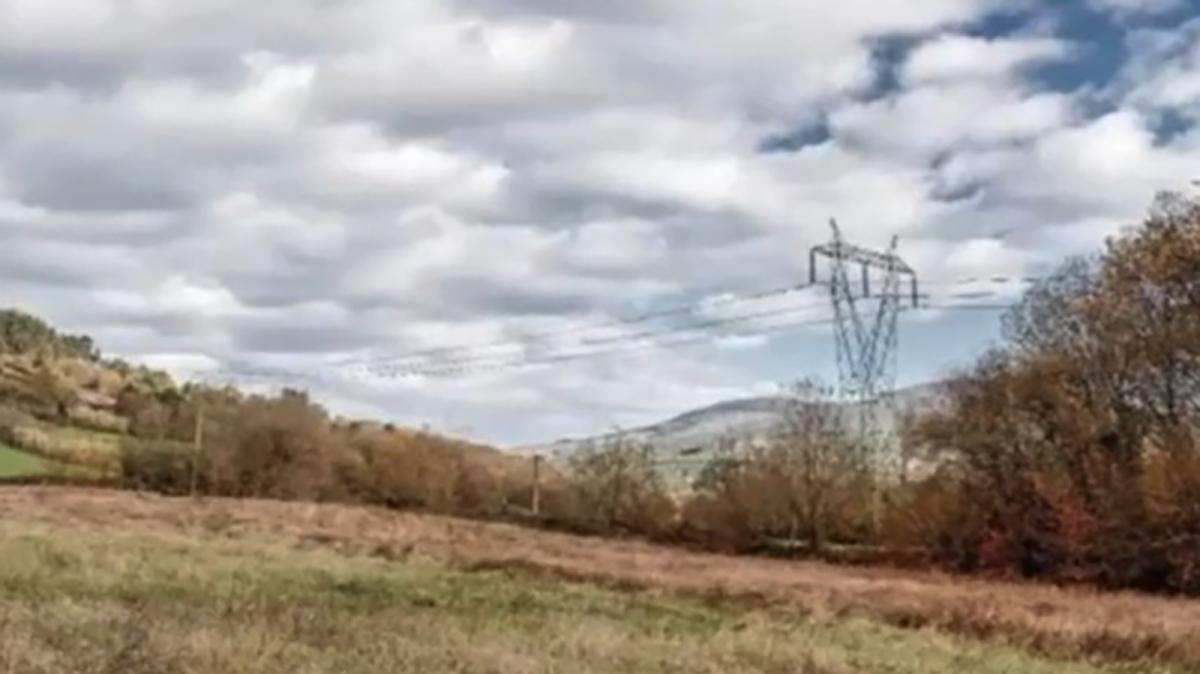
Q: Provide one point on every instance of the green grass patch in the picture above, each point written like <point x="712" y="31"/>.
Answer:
<point x="94" y="452"/>
<point x="15" y="463"/>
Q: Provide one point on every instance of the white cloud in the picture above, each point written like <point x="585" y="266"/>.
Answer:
<point x="962" y="57"/>
<point x="932" y="119"/>
<point x="200" y="182"/>
<point x="960" y="91"/>
<point x="1164" y="70"/>
<point x="1112" y="164"/>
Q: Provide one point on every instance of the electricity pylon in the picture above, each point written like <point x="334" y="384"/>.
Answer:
<point x="866" y="307"/>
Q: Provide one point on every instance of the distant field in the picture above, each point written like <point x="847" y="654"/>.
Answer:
<point x="97" y="581"/>
<point x="90" y="452"/>
<point x="14" y="463"/>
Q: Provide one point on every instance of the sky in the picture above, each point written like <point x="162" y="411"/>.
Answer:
<point x="217" y="186"/>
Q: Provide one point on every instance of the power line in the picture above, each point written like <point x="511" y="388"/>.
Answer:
<point x="485" y="361"/>
<point x="965" y="307"/>
<point x="666" y="312"/>
<point x="394" y="369"/>
<point x="467" y="358"/>
<point x="458" y="364"/>
<point x="501" y="363"/>
<point x="399" y="361"/>
<point x="403" y="362"/>
<point x="968" y="280"/>
<point x="455" y="368"/>
<point x="455" y="352"/>
<point x="473" y="357"/>
<point x="791" y="325"/>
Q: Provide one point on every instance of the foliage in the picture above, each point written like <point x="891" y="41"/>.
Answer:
<point x="272" y="447"/>
<point x="401" y="470"/>
<point x="616" y="487"/>
<point x="162" y="466"/>
<point x="21" y="333"/>
<point x="1075" y="447"/>
<point x="806" y="482"/>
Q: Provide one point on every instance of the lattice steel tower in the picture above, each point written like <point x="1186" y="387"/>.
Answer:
<point x="867" y="291"/>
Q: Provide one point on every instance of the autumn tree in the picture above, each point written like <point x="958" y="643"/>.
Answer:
<point x="281" y="447"/>
<point x="806" y="480"/>
<point x="1078" y="440"/>
<point x="616" y="486"/>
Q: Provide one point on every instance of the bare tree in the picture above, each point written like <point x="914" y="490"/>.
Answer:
<point x="617" y="487"/>
<point x="797" y="484"/>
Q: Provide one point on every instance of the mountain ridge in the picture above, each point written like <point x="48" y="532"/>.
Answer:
<point x="693" y="435"/>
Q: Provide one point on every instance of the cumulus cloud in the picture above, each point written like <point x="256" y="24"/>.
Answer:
<point x="962" y="57"/>
<point x="1163" y="73"/>
<point x="203" y="183"/>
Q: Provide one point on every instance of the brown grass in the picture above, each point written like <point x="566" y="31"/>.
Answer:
<point x="1071" y="623"/>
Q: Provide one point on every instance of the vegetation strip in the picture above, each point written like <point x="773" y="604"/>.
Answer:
<point x="136" y="603"/>
<point x="113" y="542"/>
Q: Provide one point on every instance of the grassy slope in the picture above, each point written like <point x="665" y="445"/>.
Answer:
<point x="96" y="581"/>
<point x="43" y="448"/>
<point x="14" y="463"/>
<point x="138" y="603"/>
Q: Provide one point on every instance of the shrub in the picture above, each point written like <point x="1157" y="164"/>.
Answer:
<point x="401" y="470"/>
<point x="807" y="481"/>
<point x="164" y="467"/>
<point x="272" y="448"/>
<point x="615" y="488"/>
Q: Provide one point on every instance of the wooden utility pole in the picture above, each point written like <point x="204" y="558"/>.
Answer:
<point x="197" y="447"/>
<point x="536" y="505"/>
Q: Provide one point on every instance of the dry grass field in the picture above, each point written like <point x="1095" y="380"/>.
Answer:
<point x="97" y="581"/>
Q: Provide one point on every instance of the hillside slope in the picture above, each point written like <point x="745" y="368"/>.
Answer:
<point x="68" y="413"/>
<point x="689" y="439"/>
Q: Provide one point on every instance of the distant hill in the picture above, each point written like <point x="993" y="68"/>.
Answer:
<point x="63" y="405"/>
<point x="685" y="442"/>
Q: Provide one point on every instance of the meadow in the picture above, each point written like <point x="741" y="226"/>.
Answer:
<point x="15" y="463"/>
<point x="105" y="581"/>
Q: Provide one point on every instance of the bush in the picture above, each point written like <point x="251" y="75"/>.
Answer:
<point x="808" y="481"/>
<point x="164" y="467"/>
<point x="616" y="488"/>
<point x="401" y="470"/>
<point x="98" y="420"/>
<point x="272" y="448"/>
<point x="714" y="522"/>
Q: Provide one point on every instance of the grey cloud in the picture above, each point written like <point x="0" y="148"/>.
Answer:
<point x="27" y="258"/>
<point x="97" y="46"/>
<point x="67" y="179"/>
<point x="466" y="294"/>
<point x="226" y="179"/>
<point x="268" y="335"/>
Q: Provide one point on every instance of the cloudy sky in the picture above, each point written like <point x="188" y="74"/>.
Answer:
<point x="220" y="185"/>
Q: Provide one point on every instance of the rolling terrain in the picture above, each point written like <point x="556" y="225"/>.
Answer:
<point x="104" y="581"/>
<point x="684" y="443"/>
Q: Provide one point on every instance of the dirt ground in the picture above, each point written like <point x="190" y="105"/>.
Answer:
<point x="1062" y="621"/>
